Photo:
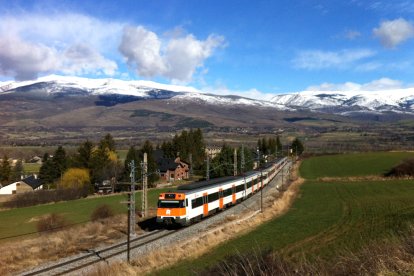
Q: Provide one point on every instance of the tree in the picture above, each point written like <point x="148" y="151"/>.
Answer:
<point x="60" y="162"/>
<point x="248" y="159"/>
<point x="75" y="178"/>
<point x="132" y="154"/>
<point x="107" y="143"/>
<point x="5" y="170"/>
<point x="297" y="147"/>
<point x="152" y="166"/>
<point x="18" y="170"/>
<point x="222" y="164"/>
<point x="83" y="158"/>
<point x="278" y="145"/>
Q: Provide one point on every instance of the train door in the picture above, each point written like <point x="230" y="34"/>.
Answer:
<point x="221" y="198"/>
<point x="252" y="186"/>
<point x="205" y="204"/>
<point x="233" y="188"/>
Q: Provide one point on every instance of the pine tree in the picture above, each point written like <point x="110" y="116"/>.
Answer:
<point x="5" y="170"/>
<point x="18" y="170"/>
<point x="297" y="147"/>
<point x="83" y="158"/>
<point x="222" y="164"/>
<point x="278" y="146"/>
<point x="107" y="143"/>
<point x="132" y="154"/>
<point x="60" y="162"/>
<point x="152" y="166"/>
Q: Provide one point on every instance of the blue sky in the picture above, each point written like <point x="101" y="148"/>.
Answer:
<point x="250" y="48"/>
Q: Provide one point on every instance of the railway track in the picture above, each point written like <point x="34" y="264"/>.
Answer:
<point x="72" y="264"/>
<point x="102" y="255"/>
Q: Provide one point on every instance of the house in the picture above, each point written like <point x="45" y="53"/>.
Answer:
<point x="212" y="151"/>
<point x="171" y="169"/>
<point x="28" y="184"/>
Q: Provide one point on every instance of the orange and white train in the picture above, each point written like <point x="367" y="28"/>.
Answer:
<point x="190" y="203"/>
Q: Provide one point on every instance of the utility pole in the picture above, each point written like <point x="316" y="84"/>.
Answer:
<point x="261" y="191"/>
<point x="131" y="213"/>
<point x="191" y="164"/>
<point x="242" y="159"/>
<point x="235" y="162"/>
<point x="208" y="167"/>
<point x="144" y="166"/>
<point x="129" y="225"/>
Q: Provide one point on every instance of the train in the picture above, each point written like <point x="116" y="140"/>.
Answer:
<point x="192" y="202"/>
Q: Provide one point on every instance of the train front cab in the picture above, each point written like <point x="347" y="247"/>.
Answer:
<point x="172" y="208"/>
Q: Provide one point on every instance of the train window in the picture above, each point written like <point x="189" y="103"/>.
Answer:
<point x="249" y="184"/>
<point x="171" y="203"/>
<point x="197" y="202"/>
<point x="170" y="196"/>
<point x="227" y="192"/>
<point x="239" y="188"/>
<point x="213" y="197"/>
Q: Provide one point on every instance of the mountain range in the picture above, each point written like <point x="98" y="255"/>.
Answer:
<point x="58" y="108"/>
<point x="112" y="91"/>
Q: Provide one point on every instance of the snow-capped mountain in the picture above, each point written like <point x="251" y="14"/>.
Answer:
<point x="53" y="86"/>
<point x="113" y="91"/>
<point x="339" y="102"/>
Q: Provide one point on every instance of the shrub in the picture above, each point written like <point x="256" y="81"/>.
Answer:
<point x="406" y="168"/>
<point x="45" y="196"/>
<point x="51" y="222"/>
<point x="102" y="212"/>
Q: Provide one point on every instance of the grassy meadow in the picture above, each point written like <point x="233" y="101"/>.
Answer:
<point x="328" y="218"/>
<point x="22" y="221"/>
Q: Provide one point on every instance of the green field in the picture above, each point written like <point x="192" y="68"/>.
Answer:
<point x="31" y="168"/>
<point x="358" y="164"/>
<point x="327" y="217"/>
<point x="21" y="221"/>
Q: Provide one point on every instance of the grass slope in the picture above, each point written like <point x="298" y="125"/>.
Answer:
<point x="358" y="164"/>
<point x="22" y="221"/>
<point x="328" y="217"/>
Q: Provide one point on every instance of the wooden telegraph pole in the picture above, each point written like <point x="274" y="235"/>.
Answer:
<point x="235" y="162"/>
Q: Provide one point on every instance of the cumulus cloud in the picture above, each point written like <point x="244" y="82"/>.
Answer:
<point x="176" y="58"/>
<point x="141" y="49"/>
<point x="317" y="59"/>
<point x="394" y="32"/>
<point x="375" y="85"/>
<point x="25" y="60"/>
<point x="81" y="59"/>
<point x="66" y="43"/>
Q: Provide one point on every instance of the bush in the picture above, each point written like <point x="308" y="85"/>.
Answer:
<point x="406" y="168"/>
<point x="45" y="196"/>
<point x="102" y="212"/>
<point x="51" y="222"/>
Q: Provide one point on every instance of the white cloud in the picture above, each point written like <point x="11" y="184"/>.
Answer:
<point x="67" y="43"/>
<point x="176" y="58"/>
<point x="317" y="59"/>
<point x="351" y="34"/>
<point x="24" y="60"/>
<point x="394" y="32"/>
<point x="81" y="59"/>
<point x="375" y="85"/>
<point x="142" y="49"/>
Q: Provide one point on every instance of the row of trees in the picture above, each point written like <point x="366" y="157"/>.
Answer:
<point x="223" y="163"/>
<point x="186" y="144"/>
<point x="91" y="164"/>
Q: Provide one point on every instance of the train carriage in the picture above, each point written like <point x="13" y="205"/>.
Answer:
<point x="197" y="200"/>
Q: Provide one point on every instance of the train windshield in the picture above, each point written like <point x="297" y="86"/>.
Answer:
<point x="171" y="203"/>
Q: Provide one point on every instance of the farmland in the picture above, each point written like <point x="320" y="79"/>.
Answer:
<point x="22" y="221"/>
<point x="328" y="218"/>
